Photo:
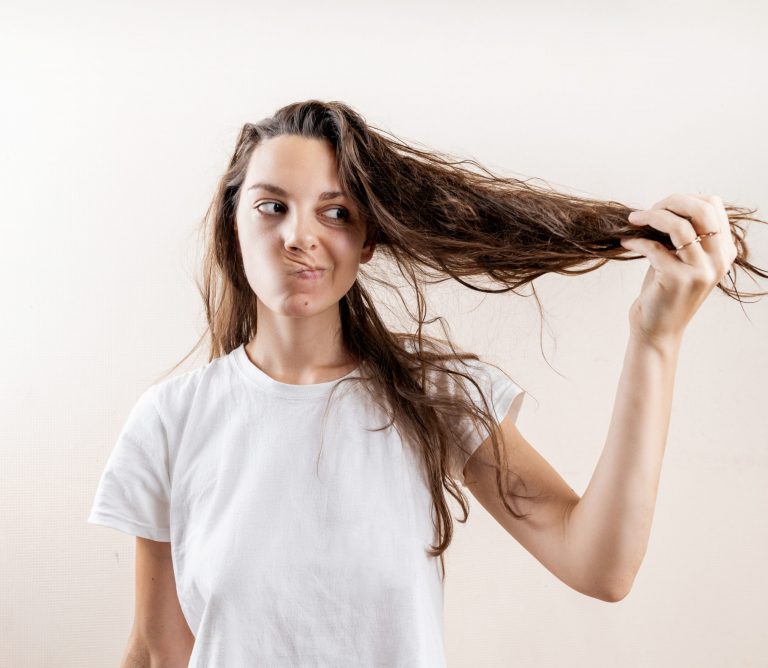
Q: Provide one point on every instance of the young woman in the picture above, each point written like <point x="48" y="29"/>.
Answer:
<point x="288" y="497"/>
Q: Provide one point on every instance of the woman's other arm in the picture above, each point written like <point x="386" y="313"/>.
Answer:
<point x="160" y="634"/>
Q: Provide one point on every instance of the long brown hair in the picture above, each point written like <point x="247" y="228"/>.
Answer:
<point x="425" y="211"/>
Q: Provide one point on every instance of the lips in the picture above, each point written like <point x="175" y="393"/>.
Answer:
<point x="310" y="275"/>
<point x="306" y="267"/>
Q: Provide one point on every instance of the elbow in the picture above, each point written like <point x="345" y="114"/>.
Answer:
<point x="613" y="595"/>
<point x="615" y="591"/>
<point x="608" y="592"/>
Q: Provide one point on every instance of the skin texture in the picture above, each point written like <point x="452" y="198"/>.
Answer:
<point x="299" y="324"/>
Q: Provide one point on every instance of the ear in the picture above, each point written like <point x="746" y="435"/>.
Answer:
<point x="369" y="245"/>
<point x="367" y="252"/>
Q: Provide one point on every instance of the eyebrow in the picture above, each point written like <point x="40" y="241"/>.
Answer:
<point x="277" y="190"/>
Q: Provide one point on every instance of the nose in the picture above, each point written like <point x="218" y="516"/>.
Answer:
<point x="301" y="232"/>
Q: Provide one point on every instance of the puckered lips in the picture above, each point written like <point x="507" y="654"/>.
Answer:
<point x="308" y="271"/>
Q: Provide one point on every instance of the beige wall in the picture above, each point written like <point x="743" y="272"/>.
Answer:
<point x="115" y="124"/>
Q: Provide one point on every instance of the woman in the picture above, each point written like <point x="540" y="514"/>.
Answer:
<point x="271" y="531"/>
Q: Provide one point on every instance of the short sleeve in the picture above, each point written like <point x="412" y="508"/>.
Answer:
<point x="503" y="396"/>
<point x="133" y="494"/>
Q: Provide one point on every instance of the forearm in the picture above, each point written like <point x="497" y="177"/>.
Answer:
<point x="135" y="655"/>
<point x="138" y="654"/>
<point x="609" y="527"/>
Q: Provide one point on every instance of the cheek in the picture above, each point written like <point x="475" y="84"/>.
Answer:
<point x="346" y="248"/>
<point x="256" y="260"/>
<point x="346" y="264"/>
<point x="253" y="240"/>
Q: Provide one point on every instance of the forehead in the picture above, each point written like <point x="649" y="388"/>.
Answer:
<point x="292" y="159"/>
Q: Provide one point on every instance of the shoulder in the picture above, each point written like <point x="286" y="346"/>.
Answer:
<point x="455" y="370"/>
<point x="449" y="364"/>
<point x="173" y="397"/>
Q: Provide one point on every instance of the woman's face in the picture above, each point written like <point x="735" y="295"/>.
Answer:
<point x="295" y="218"/>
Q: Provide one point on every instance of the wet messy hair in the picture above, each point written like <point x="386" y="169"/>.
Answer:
<point x="433" y="218"/>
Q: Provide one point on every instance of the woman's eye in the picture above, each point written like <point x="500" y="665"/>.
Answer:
<point x="263" y="203"/>
<point x="343" y="216"/>
<point x="340" y="208"/>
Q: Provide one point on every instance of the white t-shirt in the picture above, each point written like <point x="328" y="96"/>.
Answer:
<point x="286" y="555"/>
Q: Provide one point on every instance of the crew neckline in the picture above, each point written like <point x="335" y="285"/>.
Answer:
<point x="262" y="379"/>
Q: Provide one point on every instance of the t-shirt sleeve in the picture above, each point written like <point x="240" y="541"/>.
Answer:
<point x="133" y="494"/>
<point x="504" y="397"/>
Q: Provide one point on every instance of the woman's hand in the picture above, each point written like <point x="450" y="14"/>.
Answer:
<point x="677" y="282"/>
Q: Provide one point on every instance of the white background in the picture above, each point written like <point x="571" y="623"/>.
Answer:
<point x="116" y="120"/>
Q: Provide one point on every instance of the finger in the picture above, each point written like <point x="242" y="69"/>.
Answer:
<point x="715" y="201"/>
<point x="727" y="246"/>
<point x="700" y="213"/>
<point x="678" y="229"/>
<point x="660" y="257"/>
<point x="705" y="219"/>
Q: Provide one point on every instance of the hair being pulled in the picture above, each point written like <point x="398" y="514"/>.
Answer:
<point x="434" y="219"/>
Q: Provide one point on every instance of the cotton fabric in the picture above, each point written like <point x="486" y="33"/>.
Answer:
<point x="286" y="554"/>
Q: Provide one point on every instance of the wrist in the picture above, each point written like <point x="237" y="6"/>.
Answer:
<point x="667" y="346"/>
